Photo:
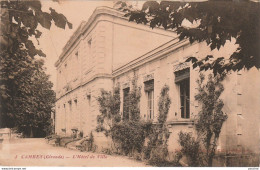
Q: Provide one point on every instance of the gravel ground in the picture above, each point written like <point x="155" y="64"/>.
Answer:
<point x="36" y="152"/>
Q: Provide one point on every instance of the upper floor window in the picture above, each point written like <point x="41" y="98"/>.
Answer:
<point x="76" y="102"/>
<point x="182" y="79"/>
<point x="89" y="46"/>
<point x="149" y="91"/>
<point x="70" y="105"/>
<point x="89" y="43"/>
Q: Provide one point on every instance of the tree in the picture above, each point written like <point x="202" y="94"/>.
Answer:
<point x="19" y="22"/>
<point x="210" y="118"/>
<point x="208" y="122"/>
<point x="217" y="22"/>
<point x="22" y="76"/>
<point x="34" y="101"/>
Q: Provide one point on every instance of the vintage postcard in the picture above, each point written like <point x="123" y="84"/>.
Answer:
<point x="129" y="83"/>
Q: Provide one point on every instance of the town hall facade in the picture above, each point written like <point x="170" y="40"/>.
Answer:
<point x="108" y="50"/>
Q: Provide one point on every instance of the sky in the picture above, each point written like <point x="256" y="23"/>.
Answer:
<point x="52" y="41"/>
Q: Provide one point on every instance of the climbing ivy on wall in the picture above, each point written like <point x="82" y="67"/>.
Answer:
<point x="129" y="135"/>
<point x="157" y="150"/>
<point x="109" y="107"/>
<point x="134" y="100"/>
<point x="208" y="122"/>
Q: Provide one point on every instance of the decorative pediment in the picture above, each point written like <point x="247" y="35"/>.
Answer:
<point x="181" y="66"/>
<point x="148" y="77"/>
<point x="67" y="87"/>
<point x="125" y="85"/>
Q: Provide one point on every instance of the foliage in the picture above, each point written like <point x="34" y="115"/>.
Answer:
<point x="19" y="22"/>
<point x="109" y="107"/>
<point x="208" y="123"/>
<point x="210" y="119"/>
<point x="131" y="109"/>
<point x="214" y="22"/>
<point x="190" y="147"/>
<point x="90" y="143"/>
<point x="49" y="127"/>
<point x="129" y="136"/>
<point x="158" y="139"/>
<point x="134" y="101"/>
<point x="25" y="92"/>
<point x="30" y="101"/>
<point x="164" y="104"/>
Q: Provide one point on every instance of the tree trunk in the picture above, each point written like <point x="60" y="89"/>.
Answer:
<point x="210" y="161"/>
<point x="31" y="132"/>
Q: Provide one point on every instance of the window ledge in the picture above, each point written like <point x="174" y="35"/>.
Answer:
<point x="181" y="122"/>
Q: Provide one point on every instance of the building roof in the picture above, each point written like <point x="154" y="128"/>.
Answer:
<point x="84" y="26"/>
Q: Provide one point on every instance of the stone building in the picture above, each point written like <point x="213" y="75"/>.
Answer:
<point x="108" y="50"/>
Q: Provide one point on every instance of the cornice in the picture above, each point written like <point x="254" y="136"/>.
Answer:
<point x="96" y="76"/>
<point x="161" y="51"/>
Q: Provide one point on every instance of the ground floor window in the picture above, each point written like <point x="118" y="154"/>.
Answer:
<point x="149" y="90"/>
<point x="185" y="98"/>
<point x="182" y="79"/>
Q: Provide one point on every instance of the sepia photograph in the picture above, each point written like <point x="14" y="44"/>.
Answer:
<point x="110" y="83"/>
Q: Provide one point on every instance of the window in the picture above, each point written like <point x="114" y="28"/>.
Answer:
<point x="149" y="90"/>
<point x="126" y="103"/>
<point x="89" y="54"/>
<point x="89" y="103"/>
<point x="89" y="45"/>
<point x="76" y="102"/>
<point x="89" y="42"/>
<point x="182" y="79"/>
<point x="77" y="54"/>
<point x="70" y="105"/>
<point x="185" y="98"/>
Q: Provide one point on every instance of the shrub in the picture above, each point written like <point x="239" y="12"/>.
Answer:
<point x="129" y="136"/>
<point x="190" y="148"/>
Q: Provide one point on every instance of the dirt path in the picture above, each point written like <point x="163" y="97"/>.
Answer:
<point x="36" y="152"/>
